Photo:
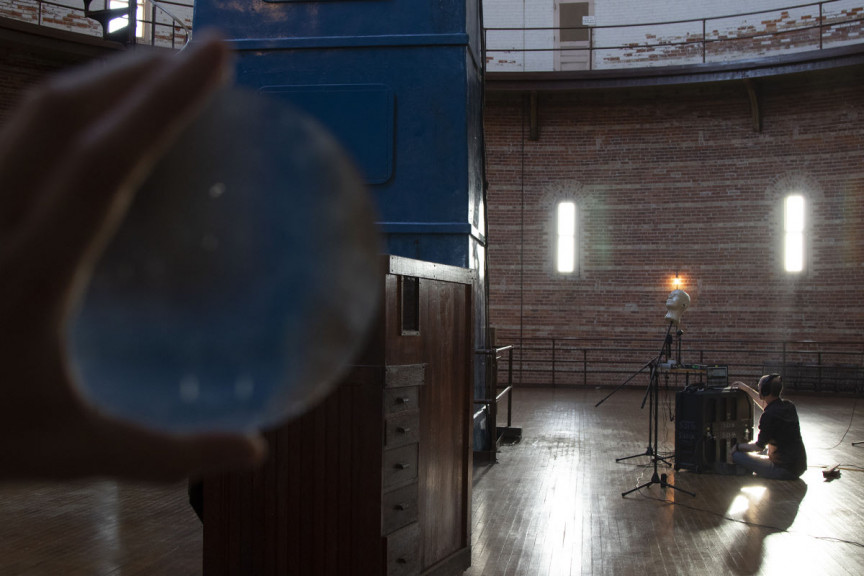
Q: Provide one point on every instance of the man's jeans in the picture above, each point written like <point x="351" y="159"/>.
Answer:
<point x="761" y="465"/>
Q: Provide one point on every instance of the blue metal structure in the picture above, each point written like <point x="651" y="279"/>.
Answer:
<point x="399" y="83"/>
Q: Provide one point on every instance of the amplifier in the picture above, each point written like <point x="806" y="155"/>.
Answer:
<point x="708" y="424"/>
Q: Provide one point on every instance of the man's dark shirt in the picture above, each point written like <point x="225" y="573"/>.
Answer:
<point x="779" y="426"/>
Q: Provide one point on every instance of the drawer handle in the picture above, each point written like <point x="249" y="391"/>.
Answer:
<point x="403" y="430"/>
<point x="402" y="466"/>
<point x="403" y="400"/>
<point x="401" y="561"/>
<point x="401" y="507"/>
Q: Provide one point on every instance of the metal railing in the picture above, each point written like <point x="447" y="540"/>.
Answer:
<point x="166" y="23"/>
<point x="696" y="40"/>
<point x="836" y="367"/>
<point x="493" y="394"/>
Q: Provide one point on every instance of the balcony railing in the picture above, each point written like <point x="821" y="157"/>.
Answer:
<point x="824" y="367"/>
<point x="720" y="39"/>
<point x="166" y="23"/>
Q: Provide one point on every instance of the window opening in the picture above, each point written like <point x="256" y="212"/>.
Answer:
<point x="566" y="238"/>
<point x="793" y="227"/>
<point x="119" y="23"/>
<point x="410" y="297"/>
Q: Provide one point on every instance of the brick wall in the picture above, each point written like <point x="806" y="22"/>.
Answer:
<point x="676" y="180"/>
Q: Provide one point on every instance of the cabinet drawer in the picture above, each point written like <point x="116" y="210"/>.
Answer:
<point x="400" y="466"/>
<point x="398" y="508"/>
<point x="403" y="551"/>
<point x="398" y="400"/>
<point x="404" y="375"/>
<point x="401" y="429"/>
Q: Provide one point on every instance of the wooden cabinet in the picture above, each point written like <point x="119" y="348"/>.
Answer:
<point x="376" y="480"/>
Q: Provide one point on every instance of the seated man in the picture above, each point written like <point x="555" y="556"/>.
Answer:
<point x="778" y="451"/>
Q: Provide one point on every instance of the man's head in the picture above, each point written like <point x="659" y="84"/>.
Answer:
<point x="770" y="385"/>
<point x="676" y="304"/>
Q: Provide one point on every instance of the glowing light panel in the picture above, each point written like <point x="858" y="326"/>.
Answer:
<point x="566" y="253"/>
<point x="793" y="226"/>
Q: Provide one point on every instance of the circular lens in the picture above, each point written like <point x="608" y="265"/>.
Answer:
<point x="242" y="281"/>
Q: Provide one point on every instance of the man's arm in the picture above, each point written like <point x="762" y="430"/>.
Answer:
<point x="750" y="392"/>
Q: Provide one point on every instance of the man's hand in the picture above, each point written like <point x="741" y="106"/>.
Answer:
<point x="71" y="157"/>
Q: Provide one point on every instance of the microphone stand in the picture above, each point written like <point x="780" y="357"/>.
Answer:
<point x="653" y="393"/>
<point x="652" y="364"/>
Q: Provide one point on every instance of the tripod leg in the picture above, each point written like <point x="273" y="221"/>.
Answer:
<point x="647" y="452"/>
<point x="666" y="484"/>
<point x="624" y="494"/>
<point x="661" y="480"/>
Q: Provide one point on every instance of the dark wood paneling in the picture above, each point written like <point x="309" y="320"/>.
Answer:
<point x="330" y="500"/>
<point x="443" y="443"/>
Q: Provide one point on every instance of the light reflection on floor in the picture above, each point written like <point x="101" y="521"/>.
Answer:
<point x="553" y="504"/>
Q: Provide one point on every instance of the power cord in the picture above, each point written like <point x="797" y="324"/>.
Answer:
<point x="849" y="427"/>
<point x="747" y="523"/>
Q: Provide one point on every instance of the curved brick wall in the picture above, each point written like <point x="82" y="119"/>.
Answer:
<point x="676" y="179"/>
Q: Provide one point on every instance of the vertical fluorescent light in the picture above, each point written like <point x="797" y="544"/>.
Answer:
<point x="793" y="227"/>
<point x="566" y="237"/>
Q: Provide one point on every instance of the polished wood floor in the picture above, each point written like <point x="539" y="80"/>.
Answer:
<point x="552" y="505"/>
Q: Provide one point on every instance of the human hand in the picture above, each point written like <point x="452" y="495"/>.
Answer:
<point x="71" y="157"/>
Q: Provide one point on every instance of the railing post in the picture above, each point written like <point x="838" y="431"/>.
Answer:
<point x="819" y="371"/>
<point x="585" y="367"/>
<point x="510" y="385"/>
<point x="821" y="25"/>
<point x="153" y="25"/>
<point x="553" y="362"/>
<point x="783" y="361"/>
<point x="704" y="40"/>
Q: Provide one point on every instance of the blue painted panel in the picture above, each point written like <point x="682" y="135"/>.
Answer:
<point x="451" y="249"/>
<point x="362" y="116"/>
<point x="417" y="135"/>
<point x="435" y="176"/>
<point x="259" y="19"/>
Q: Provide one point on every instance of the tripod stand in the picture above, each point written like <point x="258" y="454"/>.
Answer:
<point x="656" y="478"/>
<point x="653" y="417"/>
<point x="652" y="395"/>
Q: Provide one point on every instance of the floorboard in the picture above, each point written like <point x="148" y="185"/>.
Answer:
<point x="551" y="506"/>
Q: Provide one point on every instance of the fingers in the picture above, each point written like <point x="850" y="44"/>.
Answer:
<point x="50" y="120"/>
<point x="89" y="192"/>
<point x="162" y="458"/>
<point x="122" y="450"/>
<point x="69" y="440"/>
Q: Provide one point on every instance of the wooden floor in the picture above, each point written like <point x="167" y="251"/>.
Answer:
<point x="552" y="505"/>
